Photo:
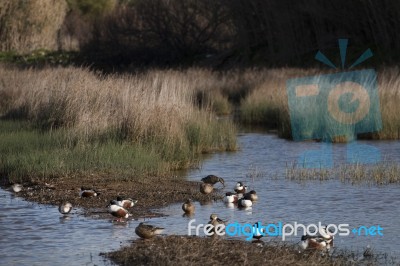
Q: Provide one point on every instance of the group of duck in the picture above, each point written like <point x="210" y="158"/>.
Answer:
<point x="118" y="208"/>
<point x="321" y="241"/>
<point x="240" y="196"/>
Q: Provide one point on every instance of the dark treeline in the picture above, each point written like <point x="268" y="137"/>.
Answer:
<point x="224" y="33"/>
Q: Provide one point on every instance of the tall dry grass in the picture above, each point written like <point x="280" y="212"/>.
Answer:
<point x="389" y="95"/>
<point x="192" y="250"/>
<point x="267" y="104"/>
<point x="153" y="111"/>
<point x="222" y="92"/>
<point x="31" y="25"/>
<point x="158" y="103"/>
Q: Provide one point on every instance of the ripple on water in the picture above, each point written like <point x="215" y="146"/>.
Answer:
<point x="287" y="201"/>
<point x="38" y="235"/>
<point x="32" y="234"/>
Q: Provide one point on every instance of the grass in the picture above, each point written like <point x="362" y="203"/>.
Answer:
<point x="267" y="104"/>
<point x="29" y="153"/>
<point x="31" y="25"/>
<point x="72" y="120"/>
<point x="160" y="119"/>
<point x="259" y="94"/>
<point x="40" y="57"/>
<point x="382" y="173"/>
<point x="184" y="250"/>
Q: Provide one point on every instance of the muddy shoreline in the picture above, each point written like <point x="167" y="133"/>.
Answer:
<point x="152" y="193"/>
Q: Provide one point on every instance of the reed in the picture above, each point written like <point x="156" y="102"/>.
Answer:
<point x="94" y="119"/>
<point x="267" y="104"/>
<point x="382" y="173"/>
<point x="185" y="250"/>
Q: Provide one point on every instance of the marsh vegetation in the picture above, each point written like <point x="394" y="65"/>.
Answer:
<point x="61" y="121"/>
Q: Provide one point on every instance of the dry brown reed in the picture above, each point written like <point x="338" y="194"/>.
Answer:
<point x="383" y="173"/>
<point x="184" y="250"/>
<point x="31" y="25"/>
<point x="267" y="104"/>
<point x="155" y="104"/>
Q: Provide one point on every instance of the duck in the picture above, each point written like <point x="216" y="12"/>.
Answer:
<point x="230" y="197"/>
<point x="88" y="193"/>
<point x="65" y="207"/>
<point x="328" y="238"/>
<point x="240" y="188"/>
<point x="188" y="206"/>
<point x="213" y="179"/>
<point x="147" y="231"/>
<point x="245" y="203"/>
<point x="214" y="221"/>
<point x="117" y="211"/>
<point x="368" y="252"/>
<point x="313" y="243"/>
<point x="17" y="187"/>
<point x="206" y="188"/>
<point x="258" y="232"/>
<point x="126" y="202"/>
<point x="323" y="232"/>
<point x="252" y="195"/>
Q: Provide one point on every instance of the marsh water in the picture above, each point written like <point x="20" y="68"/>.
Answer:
<point x="32" y="234"/>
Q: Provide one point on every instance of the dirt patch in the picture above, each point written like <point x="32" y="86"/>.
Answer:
<point x="151" y="193"/>
<point x="190" y="250"/>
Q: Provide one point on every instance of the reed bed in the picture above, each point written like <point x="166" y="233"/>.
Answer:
<point x="267" y="104"/>
<point x="99" y="117"/>
<point x="382" y="173"/>
<point x="191" y="250"/>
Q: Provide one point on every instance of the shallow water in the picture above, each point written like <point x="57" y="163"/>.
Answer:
<point x="32" y="234"/>
<point x="261" y="164"/>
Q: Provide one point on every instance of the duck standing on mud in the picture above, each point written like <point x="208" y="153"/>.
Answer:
<point x="117" y="211"/>
<point x="206" y="188"/>
<point x="258" y="232"/>
<point x="213" y="179"/>
<point x="323" y="241"/>
<point x="88" y="193"/>
<point x="313" y="243"/>
<point x="17" y="187"/>
<point x="126" y="202"/>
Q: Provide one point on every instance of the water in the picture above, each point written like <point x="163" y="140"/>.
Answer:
<point x="32" y="234"/>
<point x="261" y="164"/>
